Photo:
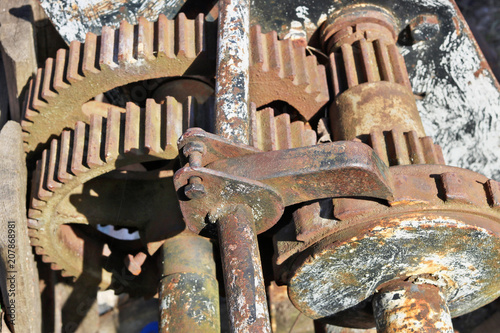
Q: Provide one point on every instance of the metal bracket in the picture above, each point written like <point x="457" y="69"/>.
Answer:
<point x="269" y="181"/>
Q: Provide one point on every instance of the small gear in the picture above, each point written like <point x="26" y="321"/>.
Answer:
<point x="63" y="177"/>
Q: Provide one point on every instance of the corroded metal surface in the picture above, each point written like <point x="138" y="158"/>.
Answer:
<point x="189" y="292"/>
<point x="75" y="18"/>
<point x="115" y="58"/>
<point x="232" y="77"/>
<point x="262" y="180"/>
<point x="369" y="77"/>
<point x="61" y="93"/>
<point x="411" y="307"/>
<point x="243" y="279"/>
<point x="431" y="226"/>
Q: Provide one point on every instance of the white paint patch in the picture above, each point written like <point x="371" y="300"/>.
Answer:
<point x="460" y="111"/>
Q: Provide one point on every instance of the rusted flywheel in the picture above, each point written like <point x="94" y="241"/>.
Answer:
<point x="70" y="185"/>
<point x="167" y="48"/>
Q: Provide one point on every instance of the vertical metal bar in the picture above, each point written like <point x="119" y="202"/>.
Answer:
<point x="409" y="307"/>
<point x="243" y="278"/>
<point x="244" y="282"/>
<point x="189" y="292"/>
<point x="233" y="59"/>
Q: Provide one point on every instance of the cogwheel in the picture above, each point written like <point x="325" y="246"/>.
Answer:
<point x="396" y="147"/>
<point x="63" y="181"/>
<point x="281" y="68"/>
<point x="133" y="53"/>
<point x="166" y="48"/>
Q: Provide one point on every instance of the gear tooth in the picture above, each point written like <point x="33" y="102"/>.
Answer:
<point x="283" y="131"/>
<point x="29" y="115"/>
<point x="174" y="120"/>
<point x="297" y="131"/>
<point x="95" y="142"/>
<point x="301" y="64"/>
<point x="34" y="213"/>
<point x="267" y="128"/>
<point x="106" y="57"/>
<point x="77" y="160"/>
<point x="132" y="128"/>
<point x="385" y="67"/>
<point x="73" y="73"/>
<point x="453" y="188"/>
<point x="273" y="54"/>
<point x="42" y="192"/>
<point x="166" y="37"/>
<point x="397" y="149"/>
<point x="65" y="274"/>
<point x="253" y="126"/>
<point x="429" y="150"/>
<point x="33" y="240"/>
<point x="199" y="34"/>
<point x="55" y="267"/>
<point x="310" y="137"/>
<point x="287" y="62"/>
<point x="145" y="47"/>
<point x="369" y="61"/>
<point x="185" y="29"/>
<point x="153" y="126"/>
<point x="400" y="72"/>
<point x="125" y="43"/>
<point x="415" y="148"/>
<point x="47" y="93"/>
<point x="112" y="145"/>
<point x="33" y="223"/>
<point x="335" y="74"/>
<point x="257" y="50"/>
<point x="45" y="258"/>
<point x="62" y="172"/>
<point x="323" y="95"/>
<point x="313" y="75"/>
<point x="89" y="54"/>
<point x="350" y="65"/>
<point x="377" y="142"/>
<point x="59" y="69"/>
<point x="439" y="154"/>
<point x="28" y="111"/>
<point x="36" y="101"/>
<point x="51" y="174"/>
<point x="493" y="193"/>
<point x="40" y="251"/>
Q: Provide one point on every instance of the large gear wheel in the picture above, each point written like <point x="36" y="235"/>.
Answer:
<point x="166" y="48"/>
<point x="64" y="189"/>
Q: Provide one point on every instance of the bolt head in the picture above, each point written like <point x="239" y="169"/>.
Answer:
<point x="195" y="191"/>
<point x="424" y="27"/>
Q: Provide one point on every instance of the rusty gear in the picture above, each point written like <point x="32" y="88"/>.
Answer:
<point x="116" y="141"/>
<point x="454" y="210"/>
<point x="117" y="57"/>
<point x="134" y="53"/>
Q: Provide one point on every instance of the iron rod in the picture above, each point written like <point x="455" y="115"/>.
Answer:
<point x="243" y="278"/>
<point x="408" y="307"/>
<point x="232" y="80"/>
<point x="189" y="291"/>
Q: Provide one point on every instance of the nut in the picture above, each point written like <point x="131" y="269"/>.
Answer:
<point x="424" y="27"/>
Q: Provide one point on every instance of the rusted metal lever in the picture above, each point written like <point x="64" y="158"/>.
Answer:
<point x="269" y="181"/>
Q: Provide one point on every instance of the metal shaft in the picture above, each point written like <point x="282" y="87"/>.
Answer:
<point x="233" y="59"/>
<point x="243" y="278"/>
<point x="409" y="307"/>
<point x="189" y="292"/>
